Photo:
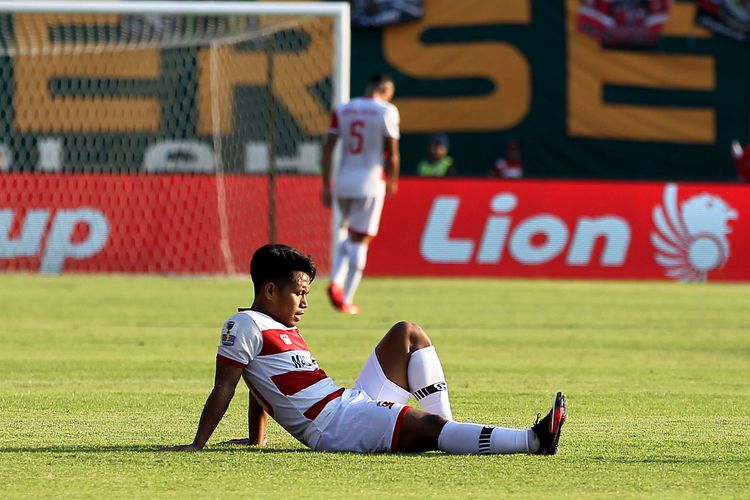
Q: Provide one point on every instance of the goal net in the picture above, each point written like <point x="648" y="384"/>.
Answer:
<point x="166" y="137"/>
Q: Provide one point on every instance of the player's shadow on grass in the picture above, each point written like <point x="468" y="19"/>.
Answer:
<point x="217" y="448"/>
<point x="144" y="449"/>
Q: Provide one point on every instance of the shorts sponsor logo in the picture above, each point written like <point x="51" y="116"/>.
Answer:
<point x="386" y="404"/>
<point x="691" y="237"/>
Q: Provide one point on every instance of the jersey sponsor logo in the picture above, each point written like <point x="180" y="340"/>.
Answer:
<point x="227" y="339"/>
<point x="691" y="237"/>
<point x="302" y="361"/>
<point x="278" y="341"/>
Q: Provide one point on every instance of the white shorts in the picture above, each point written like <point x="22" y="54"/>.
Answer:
<point x="361" y="215"/>
<point x="372" y="380"/>
<point x="369" y="416"/>
<point x="362" y="425"/>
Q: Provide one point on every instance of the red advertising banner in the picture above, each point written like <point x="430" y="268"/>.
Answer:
<point x="558" y="229"/>
<point x="433" y="227"/>
<point x="154" y="223"/>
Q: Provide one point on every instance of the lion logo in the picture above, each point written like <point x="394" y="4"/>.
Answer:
<point x="691" y="239"/>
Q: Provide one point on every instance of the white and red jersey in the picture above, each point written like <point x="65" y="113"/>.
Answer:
<point x="363" y="124"/>
<point x="281" y="373"/>
<point x="507" y="168"/>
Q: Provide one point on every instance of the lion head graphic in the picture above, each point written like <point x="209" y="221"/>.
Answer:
<point x="691" y="238"/>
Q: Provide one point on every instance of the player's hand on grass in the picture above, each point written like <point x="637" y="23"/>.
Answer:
<point x="181" y="447"/>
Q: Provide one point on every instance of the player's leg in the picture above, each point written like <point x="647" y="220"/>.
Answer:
<point x="358" y="247"/>
<point x="339" y="269"/>
<point x="421" y="431"/>
<point x="409" y="361"/>
<point x="363" y="226"/>
<point x="340" y="266"/>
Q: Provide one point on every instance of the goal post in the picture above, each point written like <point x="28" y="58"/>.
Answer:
<point x="338" y="11"/>
<point x="164" y="136"/>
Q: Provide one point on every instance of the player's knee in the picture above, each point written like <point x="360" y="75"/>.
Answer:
<point x="412" y="334"/>
<point x="434" y="424"/>
<point x="431" y="427"/>
<point x="421" y="431"/>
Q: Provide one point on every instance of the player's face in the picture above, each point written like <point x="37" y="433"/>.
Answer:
<point x="438" y="150"/>
<point x="290" y="301"/>
<point x="389" y="90"/>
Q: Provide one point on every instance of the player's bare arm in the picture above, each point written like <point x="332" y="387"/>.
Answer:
<point x="327" y="163"/>
<point x="392" y="166"/>
<point x="225" y="383"/>
<point x="257" y="421"/>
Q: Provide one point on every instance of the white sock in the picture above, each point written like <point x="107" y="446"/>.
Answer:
<point x="463" y="438"/>
<point x="340" y="261"/>
<point x="427" y="382"/>
<point x="357" y="261"/>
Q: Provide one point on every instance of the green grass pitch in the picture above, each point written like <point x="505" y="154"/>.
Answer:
<point x="96" y="372"/>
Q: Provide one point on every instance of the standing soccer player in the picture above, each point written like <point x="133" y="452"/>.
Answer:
<point x="368" y="171"/>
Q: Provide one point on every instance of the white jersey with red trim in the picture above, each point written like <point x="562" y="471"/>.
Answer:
<point x="281" y="373"/>
<point x="363" y="124"/>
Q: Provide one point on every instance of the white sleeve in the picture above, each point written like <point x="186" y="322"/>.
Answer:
<point x="240" y="341"/>
<point x="392" y="119"/>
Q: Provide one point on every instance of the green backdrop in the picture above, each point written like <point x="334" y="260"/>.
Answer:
<point x="454" y="53"/>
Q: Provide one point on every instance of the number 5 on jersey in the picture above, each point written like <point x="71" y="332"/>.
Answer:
<point x="357" y="138"/>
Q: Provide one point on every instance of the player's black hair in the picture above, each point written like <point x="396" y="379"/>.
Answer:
<point x="378" y="80"/>
<point x="277" y="263"/>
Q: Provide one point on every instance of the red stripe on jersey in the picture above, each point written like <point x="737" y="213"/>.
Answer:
<point x="315" y="409"/>
<point x="263" y="401"/>
<point x="397" y="428"/>
<point x="230" y="361"/>
<point x="278" y="341"/>
<point x="334" y="123"/>
<point x="292" y="382"/>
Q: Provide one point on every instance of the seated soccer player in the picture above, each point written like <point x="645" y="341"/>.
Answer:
<point x="263" y="345"/>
